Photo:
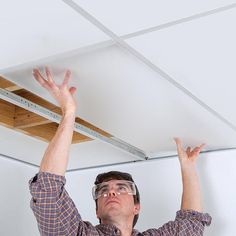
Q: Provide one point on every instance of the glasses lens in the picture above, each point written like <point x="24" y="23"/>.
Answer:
<point x="119" y="186"/>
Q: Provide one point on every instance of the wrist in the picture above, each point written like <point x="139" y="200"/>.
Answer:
<point x="68" y="108"/>
<point x="69" y="114"/>
<point x="69" y="111"/>
<point x="188" y="167"/>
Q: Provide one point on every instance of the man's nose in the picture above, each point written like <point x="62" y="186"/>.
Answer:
<point x="112" y="192"/>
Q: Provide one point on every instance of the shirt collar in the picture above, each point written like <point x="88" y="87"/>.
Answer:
<point x="109" y="230"/>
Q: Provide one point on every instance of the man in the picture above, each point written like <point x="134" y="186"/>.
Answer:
<point x="116" y="195"/>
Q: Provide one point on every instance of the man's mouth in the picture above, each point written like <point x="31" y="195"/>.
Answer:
<point x="111" y="201"/>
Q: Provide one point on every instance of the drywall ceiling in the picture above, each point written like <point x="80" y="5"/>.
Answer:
<point x="145" y="71"/>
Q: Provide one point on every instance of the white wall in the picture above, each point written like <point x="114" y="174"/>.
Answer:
<point x="16" y="217"/>
<point x="159" y="183"/>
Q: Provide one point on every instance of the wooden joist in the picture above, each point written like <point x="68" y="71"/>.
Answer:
<point x="7" y="112"/>
<point x="25" y="118"/>
<point x="8" y="85"/>
<point x="47" y="131"/>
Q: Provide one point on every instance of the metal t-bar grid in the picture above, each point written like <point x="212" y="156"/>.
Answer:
<point x="157" y="158"/>
<point x="147" y="62"/>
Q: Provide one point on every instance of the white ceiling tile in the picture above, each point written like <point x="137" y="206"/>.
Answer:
<point x="200" y="55"/>
<point x="119" y="94"/>
<point x="31" y="30"/>
<point x="124" y="17"/>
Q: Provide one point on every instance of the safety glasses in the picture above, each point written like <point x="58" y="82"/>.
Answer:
<point x="120" y="187"/>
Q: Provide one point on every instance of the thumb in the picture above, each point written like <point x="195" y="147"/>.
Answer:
<point x="178" y="145"/>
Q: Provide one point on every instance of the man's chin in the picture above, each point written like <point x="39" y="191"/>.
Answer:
<point x="113" y="210"/>
<point x="111" y="216"/>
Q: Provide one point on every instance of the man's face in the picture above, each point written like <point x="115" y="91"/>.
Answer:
<point x="116" y="202"/>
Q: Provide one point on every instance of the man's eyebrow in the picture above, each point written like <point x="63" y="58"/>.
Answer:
<point x="103" y="185"/>
<point x="122" y="184"/>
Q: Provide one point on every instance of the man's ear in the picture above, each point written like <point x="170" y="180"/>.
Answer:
<point x="137" y="208"/>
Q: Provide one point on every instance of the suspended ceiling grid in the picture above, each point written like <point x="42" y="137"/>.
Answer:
<point x="166" y="72"/>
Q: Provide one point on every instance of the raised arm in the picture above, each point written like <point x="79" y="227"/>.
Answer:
<point x="56" y="156"/>
<point x="190" y="220"/>
<point x="191" y="198"/>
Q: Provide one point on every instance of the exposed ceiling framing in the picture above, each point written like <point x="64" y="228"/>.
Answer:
<point x="22" y="120"/>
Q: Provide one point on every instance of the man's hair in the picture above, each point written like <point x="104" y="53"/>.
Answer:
<point x="117" y="175"/>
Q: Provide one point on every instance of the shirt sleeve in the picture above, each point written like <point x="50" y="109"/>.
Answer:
<point x="186" y="223"/>
<point x="55" y="212"/>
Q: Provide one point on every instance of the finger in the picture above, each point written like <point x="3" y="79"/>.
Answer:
<point x="196" y="151"/>
<point x="188" y="151"/>
<point x="178" y="142"/>
<point x="199" y="148"/>
<point x="37" y="73"/>
<point x="179" y="145"/>
<point x="202" y="146"/>
<point x="40" y="78"/>
<point x="49" y="75"/>
<point x="67" y="78"/>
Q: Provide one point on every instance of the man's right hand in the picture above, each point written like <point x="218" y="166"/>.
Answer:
<point x="63" y="94"/>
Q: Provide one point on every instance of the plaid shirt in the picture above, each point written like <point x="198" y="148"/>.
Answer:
<point x="57" y="214"/>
